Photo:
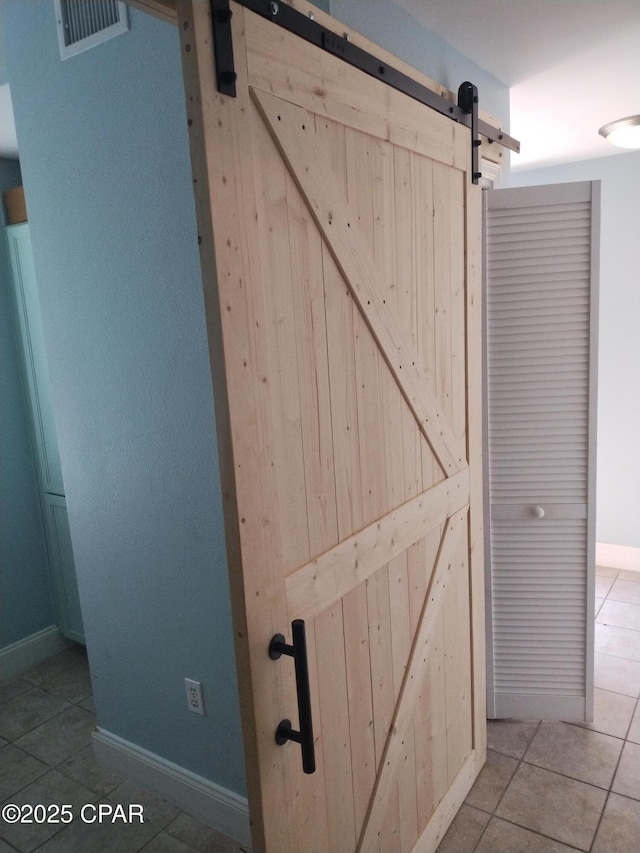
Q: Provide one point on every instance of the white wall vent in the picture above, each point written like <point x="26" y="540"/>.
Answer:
<point x="83" y="24"/>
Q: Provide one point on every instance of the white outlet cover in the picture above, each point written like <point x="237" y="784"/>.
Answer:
<point x="195" y="697"/>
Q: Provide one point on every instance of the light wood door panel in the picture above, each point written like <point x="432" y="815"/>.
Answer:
<point x="340" y="238"/>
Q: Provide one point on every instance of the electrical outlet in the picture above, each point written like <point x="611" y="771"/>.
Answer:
<point x="195" y="699"/>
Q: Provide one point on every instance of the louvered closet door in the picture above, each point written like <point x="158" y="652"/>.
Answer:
<point x="541" y="255"/>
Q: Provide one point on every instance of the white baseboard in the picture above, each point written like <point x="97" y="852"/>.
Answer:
<point x="618" y="556"/>
<point x="20" y="656"/>
<point x="212" y="804"/>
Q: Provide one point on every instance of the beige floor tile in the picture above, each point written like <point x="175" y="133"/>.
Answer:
<point x="603" y="585"/>
<point x="100" y="837"/>
<point x="72" y="684"/>
<point x="492" y="781"/>
<point x="156" y="809"/>
<point x="11" y="689"/>
<point x="620" y="642"/>
<point x="617" y="674"/>
<point x="627" y="575"/>
<point x="3" y="742"/>
<point x="503" y="837"/>
<point x="512" y="737"/>
<point x="627" y="781"/>
<point x="634" y="731"/>
<point x="164" y="843"/>
<point x="464" y="832"/>
<point x="621" y="615"/>
<point x="576" y="752"/>
<point x="553" y="805"/>
<point x="52" y="788"/>
<point x="83" y="768"/>
<point x="89" y="705"/>
<point x="607" y="571"/>
<point x="204" y="838"/>
<point x="27" y="711"/>
<point x="620" y="827"/>
<point x="624" y="590"/>
<point x="55" y="665"/>
<point x="118" y="837"/>
<point x="59" y="738"/>
<point x="612" y="713"/>
<point x="17" y="770"/>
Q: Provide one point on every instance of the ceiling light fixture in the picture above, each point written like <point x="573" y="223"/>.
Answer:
<point x="625" y="132"/>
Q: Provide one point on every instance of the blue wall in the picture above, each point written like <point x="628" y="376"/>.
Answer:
<point x="618" y="490"/>
<point x="105" y="162"/>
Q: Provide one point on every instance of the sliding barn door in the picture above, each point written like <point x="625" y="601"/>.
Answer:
<point x="542" y="251"/>
<point x="341" y="240"/>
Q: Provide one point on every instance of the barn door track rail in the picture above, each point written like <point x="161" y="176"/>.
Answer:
<point x="465" y="111"/>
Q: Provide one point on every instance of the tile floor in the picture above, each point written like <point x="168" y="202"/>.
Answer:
<point x="558" y="787"/>
<point x="546" y="788"/>
<point x="46" y="720"/>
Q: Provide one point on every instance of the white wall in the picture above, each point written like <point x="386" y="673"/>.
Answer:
<point x="618" y="491"/>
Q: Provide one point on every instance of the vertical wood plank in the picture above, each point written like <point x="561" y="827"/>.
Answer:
<point x="334" y="716"/>
<point x="423" y="254"/>
<point x="442" y="276"/>
<point x="225" y="183"/>
<point x="281" y="405"/>
<point x="473" y="297"/>
<point x="333" y="663"/>
<point x="360" y="700"/>
<point x="438" y="716"/>
<point x="401" y="639"/>
<point x="457" y="663"/>
<point x="458" y="303"/>
<point x="406" y="261"/>
<point x="339" y="320"/>
<point x="305" y="250"/>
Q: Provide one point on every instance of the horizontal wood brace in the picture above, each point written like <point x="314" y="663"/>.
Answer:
<point x="308" y="29"/>
<point x="317" y="585"/>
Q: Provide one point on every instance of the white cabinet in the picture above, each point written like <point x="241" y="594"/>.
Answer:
<point x="18" y="264"/>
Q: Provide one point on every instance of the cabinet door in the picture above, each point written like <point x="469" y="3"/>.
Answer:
<point x="31" y="340"/>
<point x="31" y="344"/>
<point x="541" y="343"/>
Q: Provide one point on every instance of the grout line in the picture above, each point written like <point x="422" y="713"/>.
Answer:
<point x="520" y="761"/>
<point x="536" y="832"/>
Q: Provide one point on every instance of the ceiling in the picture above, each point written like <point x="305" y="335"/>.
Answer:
<point x="572" y="66"/>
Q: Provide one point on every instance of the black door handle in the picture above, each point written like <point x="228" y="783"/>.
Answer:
<point x="298" y="651"/>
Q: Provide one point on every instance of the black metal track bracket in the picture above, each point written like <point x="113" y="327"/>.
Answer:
<point x="468" y="101"/>
<point x="223" y="47"/>
<point x="306" y="27"/>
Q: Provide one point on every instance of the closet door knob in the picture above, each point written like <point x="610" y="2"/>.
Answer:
<point x="538" y="511"/>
